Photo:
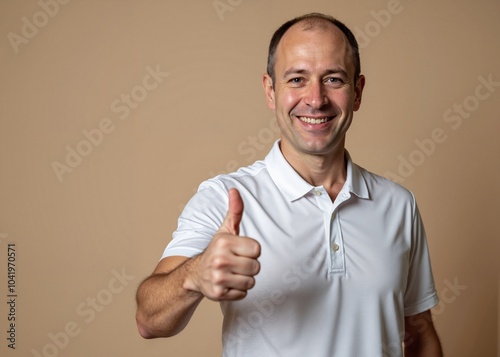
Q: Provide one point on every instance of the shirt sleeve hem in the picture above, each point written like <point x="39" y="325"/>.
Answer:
<point x="422" y="306"/>
<point x="184" y="252"/>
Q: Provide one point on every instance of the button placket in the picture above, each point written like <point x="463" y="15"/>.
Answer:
<point x="332" y="227"/>
<point x="337" y="253"/>
<point x="324" y="202"/>
<point x="333" y="237"/>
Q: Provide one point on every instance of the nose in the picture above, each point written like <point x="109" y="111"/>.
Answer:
<point x="316" y="96"/>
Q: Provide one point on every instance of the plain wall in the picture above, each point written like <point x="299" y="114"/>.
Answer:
<point x="81" y="218"/>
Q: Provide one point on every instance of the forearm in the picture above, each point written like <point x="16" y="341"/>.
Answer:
<point x="164" y="306"/>
<point x="429" y="347"/>
<point x="223" y="272"/>
<point x="421" y="338"/>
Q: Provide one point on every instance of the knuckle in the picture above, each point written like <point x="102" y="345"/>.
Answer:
<point x="217" y="293"/>
<point x="219" y="262"/>
<point x="218" y="278"/>
<point x="223" y="240"/>
<point x="221" y="243"/>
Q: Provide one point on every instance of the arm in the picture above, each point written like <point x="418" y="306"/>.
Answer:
<point x="164" y="307"/>
<point x="421" y="339"/>
<point x="224" y="271"/>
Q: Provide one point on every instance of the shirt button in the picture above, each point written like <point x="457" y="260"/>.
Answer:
<point x="317" y="193"/>
<point x="335" y="247"/>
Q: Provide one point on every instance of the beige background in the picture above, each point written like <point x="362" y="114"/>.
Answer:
<point x="115" y="211"/>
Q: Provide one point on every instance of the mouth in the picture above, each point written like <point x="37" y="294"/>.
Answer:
<point x="319" y="120"/>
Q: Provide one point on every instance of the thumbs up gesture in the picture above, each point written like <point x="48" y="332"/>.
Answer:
<point x="226" y="269"/>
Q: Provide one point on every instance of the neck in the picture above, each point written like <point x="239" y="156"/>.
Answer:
<point x="327" y="170"/>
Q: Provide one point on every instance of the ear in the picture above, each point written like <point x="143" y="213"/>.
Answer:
<point x="267" y="84"/>
<point x="358" y="91"/>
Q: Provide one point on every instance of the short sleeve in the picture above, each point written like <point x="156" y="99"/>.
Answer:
<point x="420" y="294"/>
<point x="198" y="222"/>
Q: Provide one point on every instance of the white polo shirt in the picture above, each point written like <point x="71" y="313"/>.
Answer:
<point x="336" y="279"/>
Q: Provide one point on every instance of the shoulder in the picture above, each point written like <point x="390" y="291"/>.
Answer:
<point x="211" y="198"/>
<point x="378" y="185"/>
<point x="245" y="176"/>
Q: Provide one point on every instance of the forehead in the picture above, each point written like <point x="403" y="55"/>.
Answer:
<point x="315" y="42"/>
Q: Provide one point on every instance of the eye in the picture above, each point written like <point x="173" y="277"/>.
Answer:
<point x="296" y="80"/>
<point x="334" y="80"/>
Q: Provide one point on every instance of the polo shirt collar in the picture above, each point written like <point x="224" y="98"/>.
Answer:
<point x="294" y="187"/>
<point x="355" y="182"/>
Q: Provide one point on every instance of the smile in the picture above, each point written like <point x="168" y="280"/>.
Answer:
<point x="314" y="120"/>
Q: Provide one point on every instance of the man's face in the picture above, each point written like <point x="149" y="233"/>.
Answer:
<point x="314" y="94"/>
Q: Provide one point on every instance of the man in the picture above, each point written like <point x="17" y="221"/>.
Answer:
<point x="308" y="254"/>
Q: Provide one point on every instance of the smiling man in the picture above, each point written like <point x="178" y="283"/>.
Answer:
<point x="308" y="253"/>
<point x="314" y="86"/>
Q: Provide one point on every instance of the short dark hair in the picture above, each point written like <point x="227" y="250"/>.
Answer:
<point x="314" y="16"/>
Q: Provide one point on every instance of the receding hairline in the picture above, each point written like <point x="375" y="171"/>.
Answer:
<point x="321" y="24"/>
<point x="314" y="22"/>
<point x="307" y="22"/>
<point x="317" y="23"/>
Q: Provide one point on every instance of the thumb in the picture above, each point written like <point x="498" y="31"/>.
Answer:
<point x="232" y="221"/>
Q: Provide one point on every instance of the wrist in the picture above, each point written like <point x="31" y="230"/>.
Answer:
<point x="190" y="281"/>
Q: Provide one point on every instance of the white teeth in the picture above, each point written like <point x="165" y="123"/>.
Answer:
<point x="313" y="120"/>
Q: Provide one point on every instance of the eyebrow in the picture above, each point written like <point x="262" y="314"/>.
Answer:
<point x="294" y="70"/>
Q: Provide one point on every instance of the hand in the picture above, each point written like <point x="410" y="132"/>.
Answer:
<point x="226" y="269"/>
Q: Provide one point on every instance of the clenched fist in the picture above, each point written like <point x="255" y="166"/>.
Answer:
<point x="226" y="269"/>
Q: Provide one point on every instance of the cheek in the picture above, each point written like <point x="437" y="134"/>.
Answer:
<point x="287" y="99"/>
<point x="343" y="100"/>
